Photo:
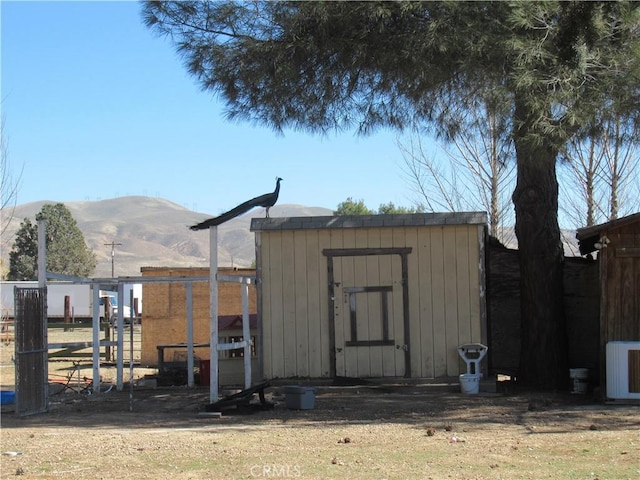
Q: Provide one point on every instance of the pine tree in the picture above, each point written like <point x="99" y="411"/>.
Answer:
<point x="23" y="257"/>
<point x="67" y="252"/>
<point x="323" y="66"/>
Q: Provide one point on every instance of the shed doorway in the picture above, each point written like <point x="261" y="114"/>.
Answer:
<point x="369" y="314"/>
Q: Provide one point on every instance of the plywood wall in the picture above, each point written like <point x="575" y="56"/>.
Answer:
<point x="165" y="311"/>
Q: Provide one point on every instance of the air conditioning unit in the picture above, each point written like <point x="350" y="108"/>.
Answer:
<point x="623" y="370"/>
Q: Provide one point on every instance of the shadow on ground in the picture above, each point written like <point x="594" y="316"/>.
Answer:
<point x="420" y="405"/>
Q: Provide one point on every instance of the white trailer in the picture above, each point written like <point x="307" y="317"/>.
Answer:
<point x="80" y="300"/>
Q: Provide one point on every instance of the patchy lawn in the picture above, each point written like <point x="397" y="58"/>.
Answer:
<point x="356" y="432"/>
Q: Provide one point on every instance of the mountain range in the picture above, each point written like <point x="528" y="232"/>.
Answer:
<point x="153" y="232"/>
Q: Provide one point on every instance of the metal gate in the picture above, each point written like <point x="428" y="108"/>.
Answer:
<point x="31" y="350"/>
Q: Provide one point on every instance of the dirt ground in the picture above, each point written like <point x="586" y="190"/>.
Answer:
<point x="357" y="431"/>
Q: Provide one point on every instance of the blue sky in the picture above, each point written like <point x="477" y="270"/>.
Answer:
<point x="97" y="106"/>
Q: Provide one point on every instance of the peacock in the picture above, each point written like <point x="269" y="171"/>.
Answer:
<point x="267" y="201"/>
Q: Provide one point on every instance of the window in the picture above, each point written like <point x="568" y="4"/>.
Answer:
<point x="355" y="340"/>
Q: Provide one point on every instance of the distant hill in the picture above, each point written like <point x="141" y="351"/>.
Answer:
<point x="154" y="232"/>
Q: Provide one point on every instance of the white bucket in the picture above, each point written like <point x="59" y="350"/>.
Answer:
<point x="579" y="380"/>
<point x="470" y="383"/>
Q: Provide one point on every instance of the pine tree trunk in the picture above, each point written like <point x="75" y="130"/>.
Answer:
<point x="544" y="355"/>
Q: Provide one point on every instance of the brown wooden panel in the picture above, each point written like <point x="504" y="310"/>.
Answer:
<point x="625" y="315"/>
<point x="634" y="371"/>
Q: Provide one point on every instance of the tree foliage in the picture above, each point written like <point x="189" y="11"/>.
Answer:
<point x="23" y="258"/>
<point x="322" y="66"/>
<point x="67" y="252"/>
<point x="391" y="208"/>
<point x="375" y="64"/>
<point x="353" y="207"/>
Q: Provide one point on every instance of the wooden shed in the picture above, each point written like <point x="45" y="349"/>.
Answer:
<point x="165" y="314"/>
<point x="618" y="245"/>
<point x="369" y="296"/>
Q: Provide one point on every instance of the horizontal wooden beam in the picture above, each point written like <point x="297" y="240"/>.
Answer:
<point x="358" y="252"/>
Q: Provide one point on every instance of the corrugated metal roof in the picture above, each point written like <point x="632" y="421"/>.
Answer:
<point x="369" y="221"/>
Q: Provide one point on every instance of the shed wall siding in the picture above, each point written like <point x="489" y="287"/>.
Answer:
<point x="444" y="297"/>
<point x="621" y="285"/>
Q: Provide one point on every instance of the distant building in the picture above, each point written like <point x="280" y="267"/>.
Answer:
<point x="165" y="319"/>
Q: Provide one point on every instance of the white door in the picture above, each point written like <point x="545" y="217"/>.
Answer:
<point x="369" y="316"/>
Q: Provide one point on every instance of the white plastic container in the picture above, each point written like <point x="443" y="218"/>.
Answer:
<point x="579" y="380"/>
<point x="470" y="383"/>
<point x="623" y="370"/>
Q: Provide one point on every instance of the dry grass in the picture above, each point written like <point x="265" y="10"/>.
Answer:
<point x="356" y="432"/>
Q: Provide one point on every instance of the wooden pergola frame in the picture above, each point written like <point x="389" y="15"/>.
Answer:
<point x="118" y="283"/>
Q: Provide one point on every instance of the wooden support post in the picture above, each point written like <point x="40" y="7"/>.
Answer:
<point x="246" y="333"/>
<point x="96" y="339"/>
<point x="120" y="339"/>
<point x="42" y="254"/>
<point x="189" y="287"/>
<point x="136" y="307"/>
<point x="107" y="348"/>
<point x="131" y="354"/>
<point x="107" y="329"/>
<point x="213" y="313"/>
<point x="67" y="311"/>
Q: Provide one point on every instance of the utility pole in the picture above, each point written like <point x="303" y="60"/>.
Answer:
<point x="113" y="246"/>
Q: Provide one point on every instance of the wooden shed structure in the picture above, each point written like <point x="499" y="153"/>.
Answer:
<point x="369" y="296"/>
<point x="618" y="245"/>
<point x="165" y="319"/>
